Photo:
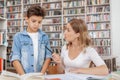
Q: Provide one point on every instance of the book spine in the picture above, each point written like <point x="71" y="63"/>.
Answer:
<point x="1" y="64"/>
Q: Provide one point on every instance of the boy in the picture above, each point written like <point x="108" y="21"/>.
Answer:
<point x="28" y="50"/>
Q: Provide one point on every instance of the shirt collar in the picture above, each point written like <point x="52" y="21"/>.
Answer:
<point x="39" y="31"/>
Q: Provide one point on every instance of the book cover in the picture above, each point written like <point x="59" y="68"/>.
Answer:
<point x="6" y="75"/>
<point x="1" y="64"/>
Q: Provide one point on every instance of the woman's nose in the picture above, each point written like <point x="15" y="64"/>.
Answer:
<point x="65" y="31"/>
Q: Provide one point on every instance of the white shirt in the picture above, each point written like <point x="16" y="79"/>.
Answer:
<point x="34" y="37"/>
<point x="82" y="60"/>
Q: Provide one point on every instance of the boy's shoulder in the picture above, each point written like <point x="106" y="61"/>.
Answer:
<point x="18" y="33"/>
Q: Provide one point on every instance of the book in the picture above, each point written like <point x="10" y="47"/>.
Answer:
<point x="6" y="75"/>
<point x="115" y="75"/>
<point x="1" y="64"/>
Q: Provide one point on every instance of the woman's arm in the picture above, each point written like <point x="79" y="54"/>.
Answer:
<point x="18" y="67"/>
<point x="60" y="68"/>
<point x="59" y="61"/>
<point x="99" y="70"/>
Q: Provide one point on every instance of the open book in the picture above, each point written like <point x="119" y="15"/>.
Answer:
<point x="5" y="75"/>
<point x="116" y="75"/>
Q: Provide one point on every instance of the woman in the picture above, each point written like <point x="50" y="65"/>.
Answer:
<point x="77" y="55"/>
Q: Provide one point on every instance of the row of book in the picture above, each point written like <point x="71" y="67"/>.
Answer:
<point x="55" y="43"/>
<point x="95" y="9"/>
<point x="98" y="26"/>
<point x="3" y="38"/>
<point x="1" y="10"/>
<point x="55" y="36"/>
<point x="101" y="42"/>
<point x="74" y="11"/>
<point x="56" y="50"/>
<point x="13" y="2"/>
<point x="14" y="9"/>
<point x="31" y="1"/>
<point x="52" y="5"/>
<point x="10" y="37"/>
<point x="98" y="17"/>
<point x="75" y="3"/>
<point x="97" y="2"/>
<point x="1" y="4"/>
<point x="103" y="51"/>
<point x="14" y="23"/>
<point x="52" y="28"/>
<point x="9" y="50"/>
<point x="26" y="7"/>
<point x="54" y="20"/>
<point x="52" y="13"/>
<point x="13" y="29"/>
<point x="14" y="16"/>
<point x="50" y="0"/>
<point x="100" y="34"/>
<point x="67" y="19"/>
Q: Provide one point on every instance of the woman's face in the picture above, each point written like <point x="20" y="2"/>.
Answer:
<point x="70" y="34"/>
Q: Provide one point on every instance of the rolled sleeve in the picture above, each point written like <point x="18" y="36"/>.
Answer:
<point x="14" y="57"/>
<point x="15" y="54"/>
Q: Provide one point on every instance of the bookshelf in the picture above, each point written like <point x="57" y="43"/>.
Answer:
<point x="96" y="13"/>
<point x="52" y="24"/>
<point x="98" y="20"/>
<point x="3" y="41"/>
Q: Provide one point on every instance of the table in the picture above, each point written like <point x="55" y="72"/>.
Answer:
<point x="62" y="77"/>
<point x="71" y="76"/>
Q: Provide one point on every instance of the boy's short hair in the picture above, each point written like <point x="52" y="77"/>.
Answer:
<point x="35" y="10"/>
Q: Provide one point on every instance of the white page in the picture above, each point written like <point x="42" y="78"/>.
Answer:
<point x="71" y="76"/>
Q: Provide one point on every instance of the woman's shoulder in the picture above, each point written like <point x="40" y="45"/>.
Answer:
<point x="90" y="49"/>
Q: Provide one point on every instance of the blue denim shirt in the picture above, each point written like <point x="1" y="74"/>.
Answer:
<point x="22" y="50"/>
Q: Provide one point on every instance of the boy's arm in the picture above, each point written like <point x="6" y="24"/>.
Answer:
<point x="45" y="65"/>
<point x="18" y="67"/>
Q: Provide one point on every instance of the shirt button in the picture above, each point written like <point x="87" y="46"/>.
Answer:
<point x="31" y="44"/>
<point x="31" y="65"/>
<point x="32" y="54"/>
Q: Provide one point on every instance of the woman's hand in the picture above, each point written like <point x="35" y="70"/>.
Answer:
<point x="73" y="70"/>
<point x="56" y="58"/>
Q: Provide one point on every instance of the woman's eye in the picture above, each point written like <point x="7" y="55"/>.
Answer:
<point x="39" y="22"/>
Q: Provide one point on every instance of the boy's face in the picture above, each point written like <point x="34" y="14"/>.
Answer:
<point x="33" y="23"/>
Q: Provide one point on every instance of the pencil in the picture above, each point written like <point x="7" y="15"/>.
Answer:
<point x="48" y="49"/>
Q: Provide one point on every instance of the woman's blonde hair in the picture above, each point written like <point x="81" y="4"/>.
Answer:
<point x="79" y="26"/>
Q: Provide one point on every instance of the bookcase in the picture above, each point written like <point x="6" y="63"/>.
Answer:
<point x="3" y="41"/>
<point x="52" y="23"/>
<point x="96" y="14"/>
<point x="98" y="20"/>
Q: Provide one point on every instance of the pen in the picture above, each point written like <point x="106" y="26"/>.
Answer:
<point x="48" y="49"/>
<point x="92" y="78"/>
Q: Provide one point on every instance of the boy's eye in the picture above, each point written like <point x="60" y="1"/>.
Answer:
<point x="33" y="21"/>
